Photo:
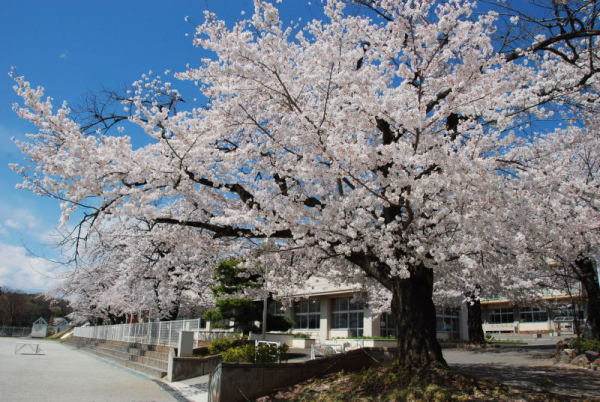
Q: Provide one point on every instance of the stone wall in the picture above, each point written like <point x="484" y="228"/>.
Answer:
<point x="232" y="382"/>
<point x="567" y="354"/>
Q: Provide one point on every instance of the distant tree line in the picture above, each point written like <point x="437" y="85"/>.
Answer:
<point x="20" y="309"/>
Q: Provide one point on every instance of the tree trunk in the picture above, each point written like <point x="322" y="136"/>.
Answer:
<point x="474" y="323"/>
<point x="589" y="280"/>
<point x="414" y="315"/>
<point x="173" y="312"/>
<point x="113" y="318"/>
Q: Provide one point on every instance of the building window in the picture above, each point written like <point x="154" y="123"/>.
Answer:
<point x="387" y="326"/>
<point x="533" y="314"/>
<point x="567" y="312"/>
<point x="347" y="315"/>
<point x="447" y="321"/>
<point x="501" y="315"/>
<point x="307" y="314"/>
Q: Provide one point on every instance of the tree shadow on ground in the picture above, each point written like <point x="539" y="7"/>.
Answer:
<point x="576" y="382"/>
<point x="529" y="353"/>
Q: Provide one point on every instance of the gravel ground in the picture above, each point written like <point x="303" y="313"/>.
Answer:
<point x="63" y="374"/>
<point x="526" y="368"/>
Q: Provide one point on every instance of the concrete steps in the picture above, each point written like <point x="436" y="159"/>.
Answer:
<point x="143" y="368"/>
<point x="148" y="359"/>
<point x="156" y="355"/>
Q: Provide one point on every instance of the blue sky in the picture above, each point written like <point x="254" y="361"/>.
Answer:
<point x="71" y="48"/>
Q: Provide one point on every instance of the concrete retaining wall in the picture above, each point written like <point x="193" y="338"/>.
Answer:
<point x="232" y="382"/>
<point x="181" y="368"/>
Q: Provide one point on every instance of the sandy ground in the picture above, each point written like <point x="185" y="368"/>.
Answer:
<point x="64" y="374"/>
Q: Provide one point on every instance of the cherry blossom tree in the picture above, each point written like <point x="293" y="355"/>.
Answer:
<point x="351" y="148"/>
<point x="132" y="267"/>
<point x="499" y="264"/>
<point x="558" y="185"/>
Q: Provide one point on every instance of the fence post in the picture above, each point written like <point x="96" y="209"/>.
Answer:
<point x="159" y="333"/>
<point x="170" y="327"/>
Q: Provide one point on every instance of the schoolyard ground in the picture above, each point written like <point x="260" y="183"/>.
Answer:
<point x="63" y="374"/>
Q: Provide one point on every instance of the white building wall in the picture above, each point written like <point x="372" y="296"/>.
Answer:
<point x="373" y="322"/>
<point x="325" y="320"/>
<point x="368" y="323"/>
<point x="534" y="326"/>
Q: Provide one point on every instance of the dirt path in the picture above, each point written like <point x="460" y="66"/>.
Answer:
<point x="526" y="368"/>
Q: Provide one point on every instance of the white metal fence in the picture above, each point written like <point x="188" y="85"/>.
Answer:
<point x="152" y="333"/>
<point x="15" y="331"/>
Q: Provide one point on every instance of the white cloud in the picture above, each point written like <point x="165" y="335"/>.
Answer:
<point x="20" y="219"/>
<point x="64" y="54"/>
<point x="21" y="271"/>
<point x="9" y="223"/>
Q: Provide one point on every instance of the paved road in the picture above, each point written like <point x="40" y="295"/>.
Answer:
<point x="526" y="368"/>
<point x="63" y="374"/>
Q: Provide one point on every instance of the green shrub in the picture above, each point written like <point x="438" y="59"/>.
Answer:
<point x="244" y="353"/>
<point x="213" y="315"/>
<point x="586" y="344"/>
<point x="220" y="345"/>
<point x="250" y="354"/>
<point x="301" y="335"/>
<point x="270" y="353"/>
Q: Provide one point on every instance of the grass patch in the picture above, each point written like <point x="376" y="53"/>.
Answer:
<point x="396" y="383"/>
<point x="491" y="339"/>
<point x="57" y="335"/>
